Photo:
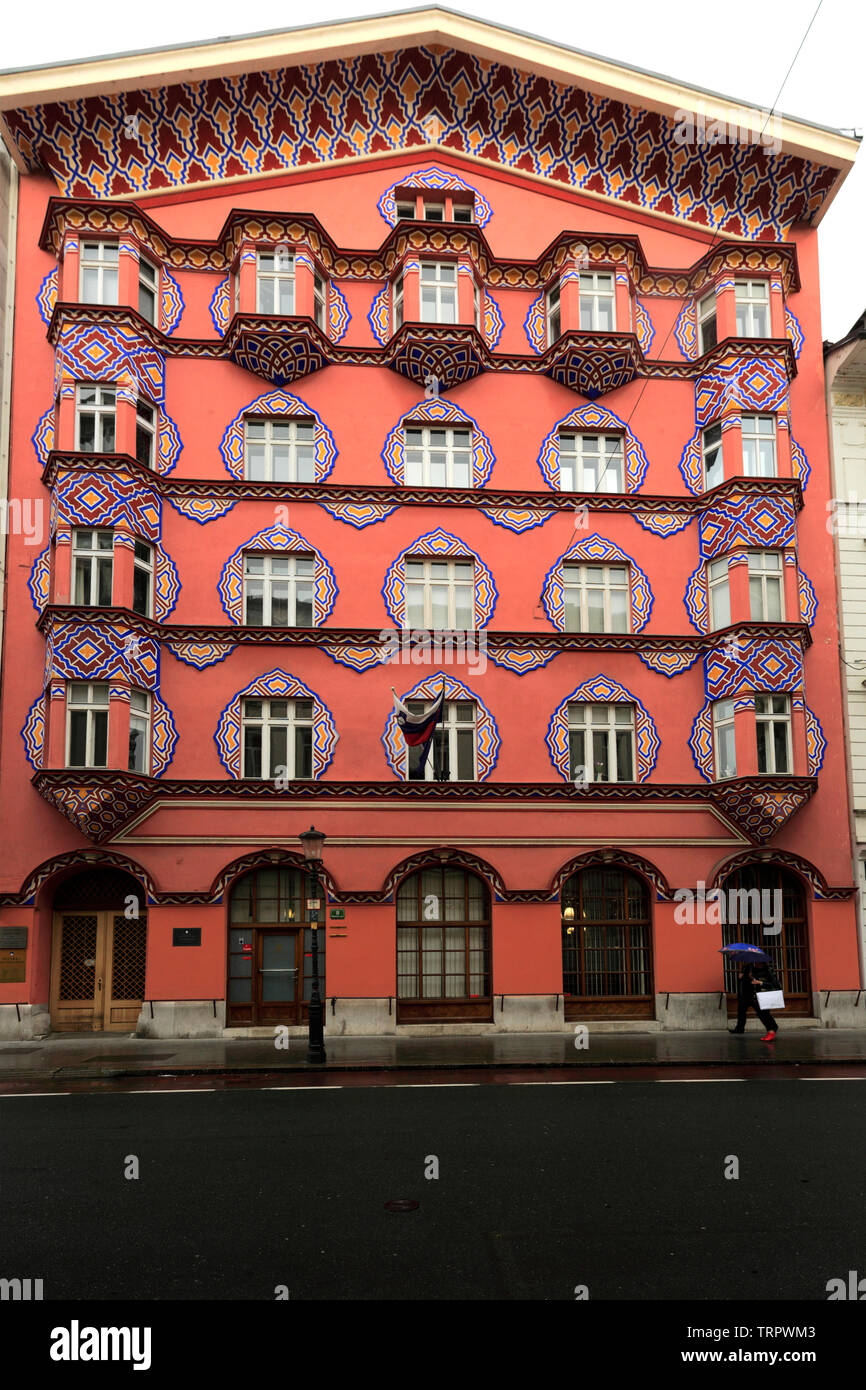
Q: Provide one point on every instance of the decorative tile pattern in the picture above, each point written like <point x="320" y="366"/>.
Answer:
<point x="534" y="325"/>
<point x="740" y="384"/>
<point x="199" y="654"/>
<point x="594" y="419"/>
<point x="166" y="586"/>
<point x="358" y="514"/>
<point x="339" y="317"/>
<point x="282" y="686"/>
<point x="43" y="436"/>
<point x="663" y="523"/>
<point x="439" y="543"/>
<point x="438" y="412"/>
<point x="492" y="322"/>
<point x="81" y="651"/>
<point x="201" y="509"/>
<point x="106" y="499"/>
<point x="668" y="661"/>
<point x="753" y="663"/>
<point x="744" y="519"/>
<point x="696" y="599"/>
<point x="516" y="519"/>
<point x="701" y="742"/>
<point x="520" y="660"/>
<point x="596" y="550"/>
<point x="487" y="738"/>
<point x="111" y="352"/>
<point x="163" y="737"/>
<point x="643" y="327"/>
<point x="33" y="732"/>
<point x="358" y="656"/>
<point x="168" y="444"/>
<point x="278" y="403"/>
<point x="171" y="302"/>
<point x="221" y="305"/>
<point x="794" y="332"/>
<point x="602" y="690"/>
<point x="277" y="538"/>
<point x="46" y="297"/>
<point x="816" y="742"/>
<point x="800" y="465"/>
<point x="686" y="330"/>
<point x="808" y="600"/>
<point x="40" y="579"/>
<point x="437" y="178"/>
<point x="379" y="317"/>
<point x="760" y="811"/>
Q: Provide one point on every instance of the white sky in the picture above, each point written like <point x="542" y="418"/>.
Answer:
<point x="741" y="48"/>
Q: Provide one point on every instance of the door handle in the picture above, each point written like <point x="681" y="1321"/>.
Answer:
<point x="99" y="984"/>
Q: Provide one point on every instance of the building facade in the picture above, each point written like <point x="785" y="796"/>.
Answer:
<point x="414" y="355"/>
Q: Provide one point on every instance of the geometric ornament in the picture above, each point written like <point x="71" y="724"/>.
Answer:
<point x="602" y="690"/>
<point x="282" y="686"/>
<point x="278" y="403"/>
<point x="438" y="543"/>
<point x="593" y="419"/>
<point x="487" y="738"/>
<point x="595" y="550"/>
<point x="437" y="412"/>
<point x="276" y="539"/>
<point x="433" y="177"/>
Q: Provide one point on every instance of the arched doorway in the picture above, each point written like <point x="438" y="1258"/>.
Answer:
<point x="99" y="951"/>
<point x="760" y="889"/>
<point x="607" y="966"/>
<point x="270" y="947"/>
<point x="443" y="947"/>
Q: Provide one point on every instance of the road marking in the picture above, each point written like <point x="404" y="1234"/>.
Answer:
<point x="831" y="1078"/>
<point x="694" y="1080"/>
<point x="427" y="1085"/>
<point x="300" y="1088"/>
<point x="561" y="1083"/>
<point x="31" y="1095"/>
<point x="160" y="1091"/>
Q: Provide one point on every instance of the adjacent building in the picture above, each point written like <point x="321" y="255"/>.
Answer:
<point x="415" y="356"/>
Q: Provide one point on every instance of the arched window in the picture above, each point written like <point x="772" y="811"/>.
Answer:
<point x="766" y="905"/>
<point x="270" y="947"/>
<point x="443" y="947"/>
<point x="606" y="945"/>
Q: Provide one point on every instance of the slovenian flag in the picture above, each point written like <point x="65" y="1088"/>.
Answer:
<point x="418" y="729"/>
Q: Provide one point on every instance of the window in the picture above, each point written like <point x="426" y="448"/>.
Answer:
<point x="434" y="212"/>
<point x="406" y="211"/>
<point x="590" y="462"/>
<point x="92" y="567"/>
<point x="766" y="586"/>
<point x="86" y="724"/>
<point x="145" y="434"/>
<point x="553" y="313"/>
<point x="719" y="593"/>
<point x="278" y="739"/>
<point x="438" y="292"/>
<point x="596" y="598"/>
<point x="95" y="419"/>
<point x="476" y="298"/>
<point x="712" y="452"/>
<point x="443" y="945"/>
<point x="139" y="731"/>
<point x="773" y="727"/>
<point x="707" y="331"/>
<point x="607" y="944"/>
<point x="723" y="739"/>
<point x="320" y="301"/>
<point x="97" y="274"/>
<point x="752" y="300"/>
<point x="278" y="590"/>
<point x="452" y="752"/>
<point x="148" y="290"/>
<point x="397" y="294"/>
<point x="437" y="457"/>
<point x="279" y="451"/>
<point x="597" y="313"/>
<point x="601" y="742"/>
<point x="275" y="282"/>
<point x="462" y="212"/>
<point x="759" y="446"/>
<point x="440" y="594"/>
<point x="142" y="579"/>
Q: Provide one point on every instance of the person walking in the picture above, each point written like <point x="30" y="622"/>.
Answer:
<point x="750" y="978"/>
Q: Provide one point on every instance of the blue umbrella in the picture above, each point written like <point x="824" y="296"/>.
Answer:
<point x="744" y="949"/>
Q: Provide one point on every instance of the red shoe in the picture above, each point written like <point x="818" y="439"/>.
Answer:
<point x="769" y="1037"/>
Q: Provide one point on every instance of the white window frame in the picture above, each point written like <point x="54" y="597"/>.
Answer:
<point x="405" y="209"/>
<point x="320" y="300"/>
<point x="765" y="720"/>
<point x="146" y="421"/>
<point x="139" y="721"/>
<point x="707" y="311"/>
<point x="267" y="722"/>
<point x="92" y="258"/>
<point x="432" y="206"/>
<point x="428" y="446"/>
<point x="578" y="581"/>
<point x="723" y="724"/>
<point x="270" y="445"/>
<point x="142" y="564"/>
<point x="604" y="454"/>
<point x="96" y="704"/>
<point x="102" y="410"/>
<point x="553" y="313"/>
<point x="752" y="303"/>
<point x="597" y="287"/>
<point x="706" y="449"/>
<point x="148" y="287"/>
<point x="445" y="292"/>
<point x="601" y="720"/>
<point x="278" y="279"/>
<point x="92" y="558"/>
<point x="718" y="589"/>
<point x="448" y="732"/>
<point x="749" y="431"/>
<point x="451" y="580"/>
<point x="397" y="301"/>
<point x="766" y="567"/>
<point x="463" y="208"/>
<point x="268" y="580"/>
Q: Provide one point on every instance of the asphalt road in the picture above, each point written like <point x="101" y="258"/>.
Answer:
<point x="616" y="1185"/>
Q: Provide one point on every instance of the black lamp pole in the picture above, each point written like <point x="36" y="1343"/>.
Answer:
<point x="312" y="841"/>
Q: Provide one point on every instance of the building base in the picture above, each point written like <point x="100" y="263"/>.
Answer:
<point x="840" y="1008"/>
<point x="181" y="1018"/>
<point x="21" y="1021"/>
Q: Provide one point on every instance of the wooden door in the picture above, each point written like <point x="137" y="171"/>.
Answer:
<point x="97" y="971"/>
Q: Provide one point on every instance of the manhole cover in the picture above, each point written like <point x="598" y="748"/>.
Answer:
<point x="402" y="1204"/>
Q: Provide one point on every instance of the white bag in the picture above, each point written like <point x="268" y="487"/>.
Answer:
<point x="770" y="999"/>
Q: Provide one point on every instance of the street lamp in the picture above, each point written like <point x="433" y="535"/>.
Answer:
<point x="312" y="841"/>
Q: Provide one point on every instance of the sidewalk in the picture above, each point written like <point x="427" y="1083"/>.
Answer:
<point x="84" y="1056"/>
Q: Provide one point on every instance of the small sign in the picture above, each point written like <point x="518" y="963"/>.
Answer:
<point x="13" y="938"/>
<point x="338" y="914"/>
<point x="186" y="936"/>
<point x="313" y="904"/>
